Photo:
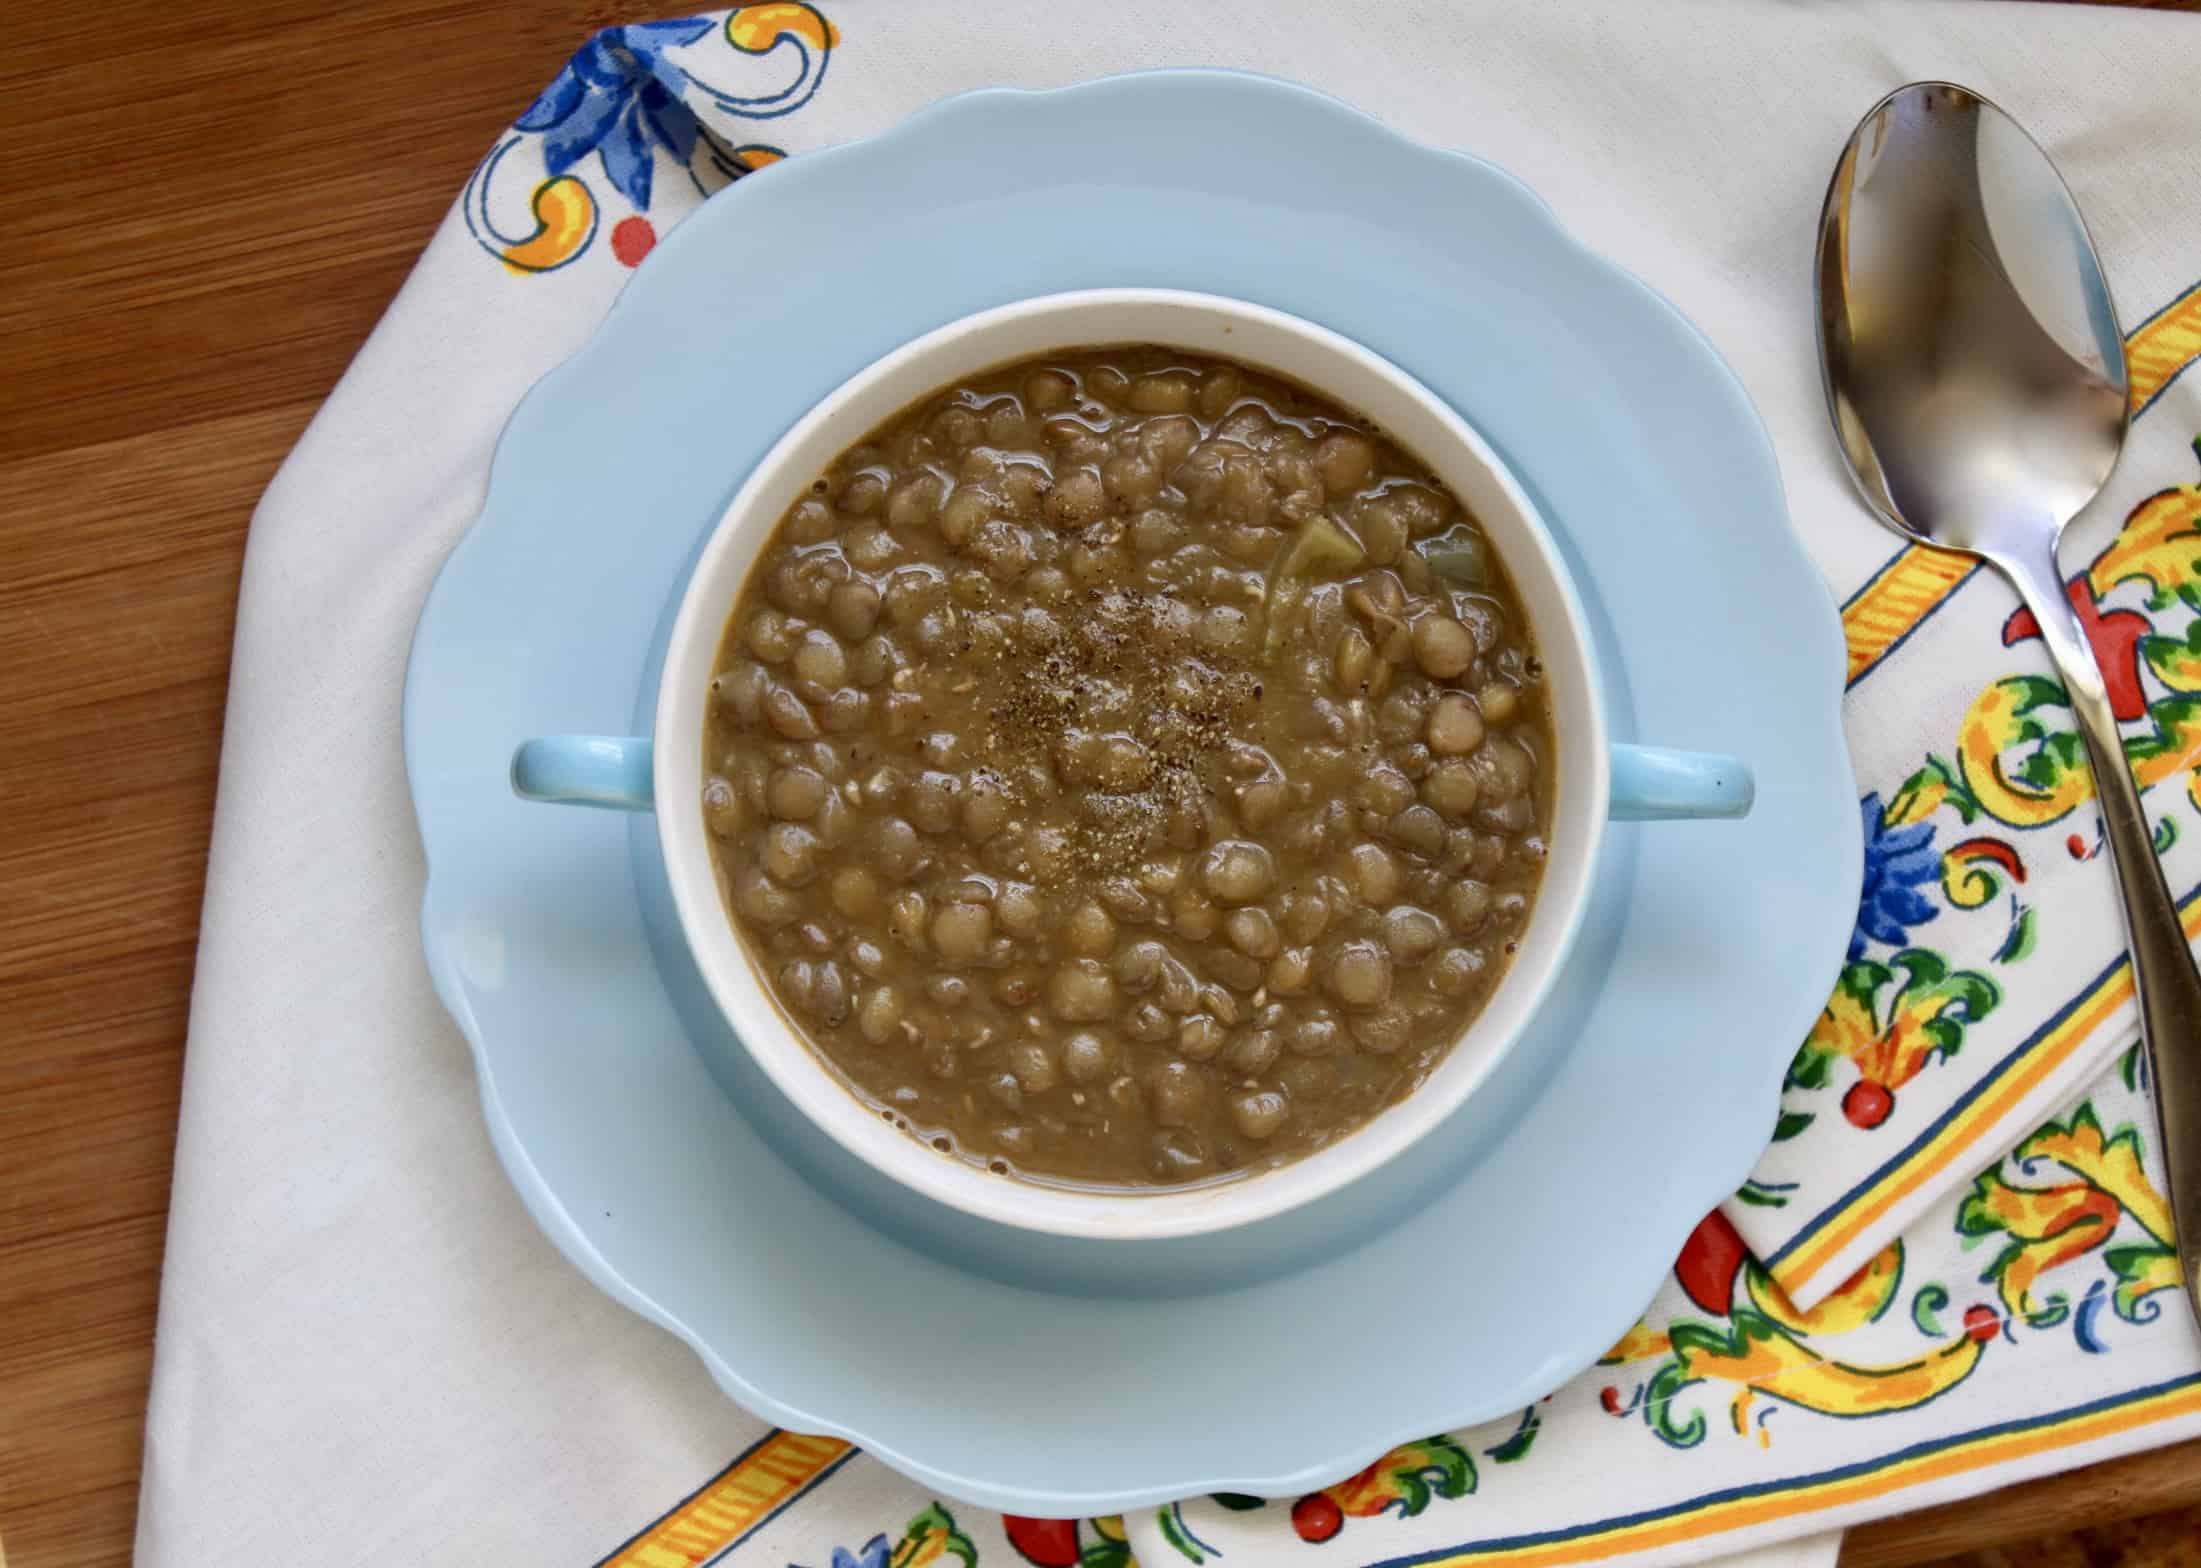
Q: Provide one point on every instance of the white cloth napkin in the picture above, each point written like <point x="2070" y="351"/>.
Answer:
<point x="367" y="1353"/>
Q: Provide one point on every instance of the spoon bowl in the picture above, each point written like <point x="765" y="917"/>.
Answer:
<point x="1973" y="365"/>
<point x="1975" y="374"/>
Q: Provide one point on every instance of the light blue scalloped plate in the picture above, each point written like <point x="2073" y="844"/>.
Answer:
<point x="1025" y="1373"/>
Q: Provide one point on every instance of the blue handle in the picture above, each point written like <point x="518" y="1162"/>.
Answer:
<point x="612" y="771"/>
<point x="1652" y="784"/>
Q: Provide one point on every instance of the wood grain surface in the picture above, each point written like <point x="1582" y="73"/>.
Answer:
<point x="208" y="205"/>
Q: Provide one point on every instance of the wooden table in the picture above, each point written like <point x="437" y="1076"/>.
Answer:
<point x="209" y="205"/>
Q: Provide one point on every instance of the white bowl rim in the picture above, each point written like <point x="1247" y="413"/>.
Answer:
<point x="1459" y="456"/>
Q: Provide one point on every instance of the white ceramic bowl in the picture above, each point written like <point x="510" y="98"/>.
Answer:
<point x="603" y="771"/>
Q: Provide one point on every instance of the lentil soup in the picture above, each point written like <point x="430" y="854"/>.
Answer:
<point x="1128" y="769"/>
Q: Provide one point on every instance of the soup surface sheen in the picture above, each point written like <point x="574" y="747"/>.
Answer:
<point x="1128" y="769"/>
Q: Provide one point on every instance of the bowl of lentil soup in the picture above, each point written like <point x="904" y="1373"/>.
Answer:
<point x="1129" y="762"/>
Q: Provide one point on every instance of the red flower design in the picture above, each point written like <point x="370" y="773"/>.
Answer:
<point x="2115" y="638"/>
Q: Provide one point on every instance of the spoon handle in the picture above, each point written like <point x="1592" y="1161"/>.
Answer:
<point x="2166" y="982"/>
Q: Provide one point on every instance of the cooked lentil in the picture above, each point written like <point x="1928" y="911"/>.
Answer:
<point x="1128" y="768"/>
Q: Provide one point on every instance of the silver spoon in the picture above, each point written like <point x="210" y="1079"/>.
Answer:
<point x="1976" y="377"/>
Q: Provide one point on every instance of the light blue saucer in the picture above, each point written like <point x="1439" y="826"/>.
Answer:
<point x="1023" y="1373"/>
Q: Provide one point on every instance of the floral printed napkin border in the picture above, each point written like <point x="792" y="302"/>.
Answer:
<point x="1986" y="978"/>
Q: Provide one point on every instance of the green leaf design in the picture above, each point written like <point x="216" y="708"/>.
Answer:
<point x="1237" y="1502"/>
<point x="2128" y="1068"/>
<point x="1688" y="1335"/>
<point x="1971" y="996"/>
<point x="2057" y="1307"/>
<point x="2164" y="654"/>
<point x="1667" y="1385"/>
<point x="1863" y="980"/>
<point x="1923" y="969"/>
<point x="2059" y="754"/>
<point x="1809" y="1068"/>
<point x="2035" y="692"/>
<point x="1937" y="772"/>
<point x="1759" y="1196"/>
<point x="1791" y="1124"/>
<point x="934" y="1523"/>
<point x="2130" y="1262"/>
<point x="1974" y="1216"/>
<point x="1174" y="1530"/>
<point x="1929" y="1301"/>
<point x="2172" y="658"/>
<point x="2020" y="942"/>
<point x="1437" y="1467"/>
<point x="2170" y="716"/>
<point x="1523" y="1438"/>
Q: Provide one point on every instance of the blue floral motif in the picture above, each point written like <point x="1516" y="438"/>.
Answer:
<point x="873" y="1555"/>
<point x="1898" y="861"/>
<point x="618" y="97"/>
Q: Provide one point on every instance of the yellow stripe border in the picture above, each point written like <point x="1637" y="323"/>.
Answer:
<point x="2162" y="346"/>
<point x="1900" y="595"/>
<point x="1861" y="1483"/>
<point x="761" y="1481"/>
